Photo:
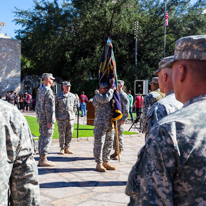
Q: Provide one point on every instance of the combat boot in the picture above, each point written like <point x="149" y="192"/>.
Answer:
<point x="113" y="155"/>
<point x="108" y="166"/>
<point x="67" y="151"/>
<point x="100" y="167"/>
<point x="43" y="162"/>
<point x="62" y="151"/>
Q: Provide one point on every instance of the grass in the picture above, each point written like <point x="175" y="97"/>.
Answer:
<point x="84" y="130"/>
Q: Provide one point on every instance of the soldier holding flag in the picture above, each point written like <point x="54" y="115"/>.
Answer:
<point x="103" y="131"/>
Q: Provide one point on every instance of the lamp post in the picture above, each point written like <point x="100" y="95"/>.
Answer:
<point x="135" y="37"/>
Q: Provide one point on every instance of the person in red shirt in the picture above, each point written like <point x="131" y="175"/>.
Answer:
<point x="83" y="98"/>
<point x="139" y="105"/>
<point x="27" y="101"/>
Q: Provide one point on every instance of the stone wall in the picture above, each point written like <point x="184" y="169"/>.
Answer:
<point x="10" y="65"/>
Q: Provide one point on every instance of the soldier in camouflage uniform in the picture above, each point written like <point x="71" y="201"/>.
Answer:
<point x="103" y="131"/>
<point x="18" y="169"/>
<point x="65" y="109"/>
<point x="120" y="123"/>
<point x="45" y="110"/>
<point x="150" y="99"/>
<point x="170" y="169"/>
<point x="167" y="105"/>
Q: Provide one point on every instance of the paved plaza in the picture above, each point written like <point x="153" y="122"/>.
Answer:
<point x="74" y="180"/>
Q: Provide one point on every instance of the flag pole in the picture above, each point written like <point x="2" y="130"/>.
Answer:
<point x="165" y="26"/>
<point x="117" y="139"/>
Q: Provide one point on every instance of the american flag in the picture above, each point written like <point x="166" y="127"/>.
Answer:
<point x="166" y="18"/>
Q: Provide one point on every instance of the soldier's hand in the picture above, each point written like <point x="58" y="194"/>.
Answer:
<point x="49" y="125"/>
<point x="122" y="121"/>
<point x="114" y="88"/>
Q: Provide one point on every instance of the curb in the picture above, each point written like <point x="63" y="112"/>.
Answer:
<point x="85" y="139"/>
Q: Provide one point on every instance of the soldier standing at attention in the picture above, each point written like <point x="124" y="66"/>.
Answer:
<point x="45" y="110"/>
<point x="131" y="99"/>
<point x="18" y="169"/>
<point x="120" y="123"/>
<point x="166" y="105"/>
<point x="103" y="131"/>
<point x="170" y="169"/>
<point x="150" y="99"/>
<point x="65" y="109"/>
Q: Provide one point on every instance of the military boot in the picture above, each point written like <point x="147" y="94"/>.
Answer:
<point x="108" y="166"/>
<point x="100" y="168"/>
<point x="113" y="155"/>
<point x="67" y="151"/>
<point x="62" y="151"/>
<point x="43" y="162"/>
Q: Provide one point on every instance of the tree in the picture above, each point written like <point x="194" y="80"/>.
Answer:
<point x="68" y="40"/>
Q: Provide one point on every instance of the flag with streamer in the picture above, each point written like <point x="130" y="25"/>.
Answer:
<point x="108" y="73"/>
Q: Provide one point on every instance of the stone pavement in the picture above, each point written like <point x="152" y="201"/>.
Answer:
<point x="74" y="180"/>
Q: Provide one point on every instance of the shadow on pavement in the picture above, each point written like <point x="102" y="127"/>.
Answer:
<point x="83" y="184"/>
<point x="43" y="171"/>
<point x="65" y="158"/>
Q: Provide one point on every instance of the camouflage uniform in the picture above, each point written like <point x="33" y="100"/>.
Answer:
<point x="103" y="132"/>
<point x="162" y="108"/>
<point x="125" y="110"/>
<point x="17" y="165"/>
<point x="149" y="100"/>
<point x="45" y="110"/>
<point x="170" y="169"/>
<point x="65" y="109"/>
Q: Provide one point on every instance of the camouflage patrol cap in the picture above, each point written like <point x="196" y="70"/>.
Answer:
<point x="189" y="48"/>
<point x="120" y="82"/>
<point x="103" y="85"/>
<point x="47" y="75"/>
<point x="66" y="83"/>
<point x="154" y="80"/>
<point x="162" y="64"/>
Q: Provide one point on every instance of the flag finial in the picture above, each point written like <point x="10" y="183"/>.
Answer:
<point x="108" y="40"/>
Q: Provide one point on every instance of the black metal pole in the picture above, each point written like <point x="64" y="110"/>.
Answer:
<point x="77" y="122"/>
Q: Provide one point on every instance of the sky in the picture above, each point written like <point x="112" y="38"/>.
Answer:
<point x="7" y="8"/>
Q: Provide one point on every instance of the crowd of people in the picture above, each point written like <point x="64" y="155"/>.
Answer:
<point x="23" y="102"/>
<point x="170" y="167"/>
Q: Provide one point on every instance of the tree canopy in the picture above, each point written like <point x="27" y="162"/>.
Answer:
<point x="68" y="39"/>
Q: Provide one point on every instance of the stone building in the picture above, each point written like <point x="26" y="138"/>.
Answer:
<point x="10" y="65"/>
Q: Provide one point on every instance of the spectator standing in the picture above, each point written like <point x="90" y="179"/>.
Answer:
<point x="12" y="97"/>
<point x="77" y="102"/>
<point x="138" y="103"/>
<point x="17" y="101"/>
<point x="33" y="103"/>
<point x="65" y="109"/>
<point x="21" y="101"/>
<point x="7" y="96"/>
<point x="131" y="99"/>
<point x="83" y="98"/>
<point x="27" y="101"/>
